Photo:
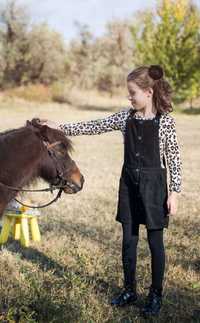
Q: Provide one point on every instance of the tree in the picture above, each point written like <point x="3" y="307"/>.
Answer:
<point x="115" y="56"/>
<point x="80" y="58"/>
<point x="171" y="38"/>
<point x="29" y="53"/>
<point x="14" y="42"/>
<point x="102" y="62"/>
<point x="47" y="55"/>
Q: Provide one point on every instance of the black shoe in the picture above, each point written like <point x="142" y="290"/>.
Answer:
<point x="125" y="298"/>
<point x="153" y="303"/>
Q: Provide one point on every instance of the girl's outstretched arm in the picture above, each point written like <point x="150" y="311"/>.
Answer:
<point x="115" y="121"/>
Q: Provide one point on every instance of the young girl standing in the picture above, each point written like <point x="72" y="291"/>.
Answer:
<point x="150" y="142"/>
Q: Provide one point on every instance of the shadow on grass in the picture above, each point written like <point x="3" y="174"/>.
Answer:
<point x="188" y="229"/>
<point x="102" y="235"/>
<point x="179" y="304"/>
<point x="46" y="263"/>
<point x="193" y="264"/>
<point x="103" y="289"/>
<point x="40" y="305"/>
<point x="79" y="229"/>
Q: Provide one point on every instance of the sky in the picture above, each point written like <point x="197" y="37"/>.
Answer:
<point x="62" y="14"/>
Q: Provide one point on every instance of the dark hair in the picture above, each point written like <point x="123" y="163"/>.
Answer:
<point x="153" y="76"/>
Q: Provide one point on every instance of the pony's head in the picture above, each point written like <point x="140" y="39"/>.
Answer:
<point x="59" y="148"/>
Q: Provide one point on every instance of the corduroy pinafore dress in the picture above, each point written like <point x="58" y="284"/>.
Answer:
<point x="143" y="183"/>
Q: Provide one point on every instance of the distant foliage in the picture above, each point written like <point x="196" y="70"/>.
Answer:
<point x="47" y="55"/>
<point x="28" y="53"/>
<point x="14" y="43"/>
<point x="101" y="62"/>
<point x="31" y="92"/>
<point x="171" y="37"/>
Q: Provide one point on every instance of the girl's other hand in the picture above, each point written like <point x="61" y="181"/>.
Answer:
<point x="172" y="203"/>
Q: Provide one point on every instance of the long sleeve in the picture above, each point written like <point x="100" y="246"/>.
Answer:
<point x="172" y="152"/>
<point x="116" y="121"/>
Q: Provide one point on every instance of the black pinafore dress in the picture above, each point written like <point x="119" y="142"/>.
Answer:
<point x="143" y="182"/>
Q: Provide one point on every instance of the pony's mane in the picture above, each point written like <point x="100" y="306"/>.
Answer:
<point x="56" y="135"/>
<point x="11" y="131"/>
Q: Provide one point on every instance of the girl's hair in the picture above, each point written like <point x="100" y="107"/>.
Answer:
<point x="153" y="76"/>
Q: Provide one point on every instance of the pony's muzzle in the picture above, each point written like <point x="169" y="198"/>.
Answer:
<point x="79" y="185"/>
<point x="75" y="186"/>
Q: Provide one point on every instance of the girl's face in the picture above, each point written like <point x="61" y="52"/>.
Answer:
<point x="138" y="97"/>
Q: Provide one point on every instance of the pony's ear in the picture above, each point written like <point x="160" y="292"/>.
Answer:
<point x="43" y="131"/>
<point x="30" y="125"/>
<point x="46" y="133"/>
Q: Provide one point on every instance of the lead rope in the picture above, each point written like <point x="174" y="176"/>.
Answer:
<point x="50" y="189"/>
<point x="44" y="205"/>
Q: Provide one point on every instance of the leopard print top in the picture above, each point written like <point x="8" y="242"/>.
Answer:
<point x="168" y="143"/>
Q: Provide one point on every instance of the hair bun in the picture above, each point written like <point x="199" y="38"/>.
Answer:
<point x="156" y="72"/>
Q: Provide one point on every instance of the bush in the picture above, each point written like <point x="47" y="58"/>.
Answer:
<point x="60" y="92"/>
<point x="32" y="92"/>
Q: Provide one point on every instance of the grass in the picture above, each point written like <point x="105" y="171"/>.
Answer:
<point x="74" y="272"/>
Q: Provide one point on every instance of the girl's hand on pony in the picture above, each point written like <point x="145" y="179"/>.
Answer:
<point x="172" y="203"/>
<point x="49" y="123"/>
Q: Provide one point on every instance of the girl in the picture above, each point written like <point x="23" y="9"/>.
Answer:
<point x="150" y="141"/>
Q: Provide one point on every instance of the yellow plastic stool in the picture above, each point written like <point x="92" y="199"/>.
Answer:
<point x="18" y="225"/>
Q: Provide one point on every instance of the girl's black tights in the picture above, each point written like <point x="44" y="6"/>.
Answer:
<point x="129" y="255"/>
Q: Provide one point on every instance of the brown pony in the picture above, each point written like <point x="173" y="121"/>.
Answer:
<point x="36" y="151"/>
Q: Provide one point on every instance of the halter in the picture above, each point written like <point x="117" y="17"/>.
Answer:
<point x="60" y="185"/>
<point x="61" y="182"/>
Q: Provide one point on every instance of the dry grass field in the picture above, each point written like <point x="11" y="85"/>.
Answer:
<point x="74" y="272"/>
